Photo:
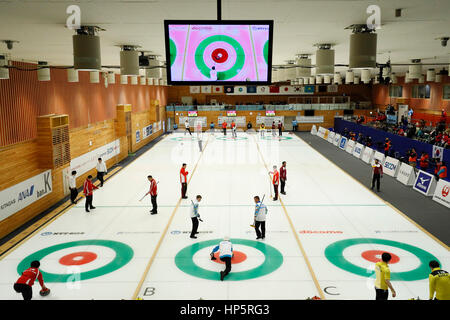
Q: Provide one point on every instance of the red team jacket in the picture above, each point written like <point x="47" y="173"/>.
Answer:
<point x="283" y="173"/>
<point x="153" y="188"/>
<point x="276" y="177"/>
<point x="183" y="175"/>
<point x="377" y="168"/>
<point x="88" y="188"/>
<point x="29" y="276"/>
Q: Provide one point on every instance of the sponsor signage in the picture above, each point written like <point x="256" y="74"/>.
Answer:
<point x="48" y="233"/>
<point x="368" y="154"/>
<point x="331" y="136"/>
<point x="138" y="136"/>
<point x="325" y="135"/>
<point x="239" y="121"/>
<point x="425" y="183"/>
<point x="406" y="174"/>
<point x="337" y="139"/>
<point x="309" y="119"/>
<point x="314" y="130"/>
<point x="378" y="155"/>
<point x="391" y="166"/>
<point x="343" y="143"/>
<point x="147" y="131"/>
<point x="88" y="161"/>
<point x="21" y="195"/>
<point x="269" y="120"/>
<point x="358" y="150"/>
<point x="320" y="232"/>
<point x="442" y="193"/>
<point x="321" y="132"/>
<point x="350" y="146"/>
<point x="192" y="121"/>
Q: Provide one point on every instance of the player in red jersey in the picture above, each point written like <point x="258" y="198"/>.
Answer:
<point x="153" y="194"/>
<point x="183" y="180"/>
<point x="275" y="181"/>
<point x="25" y="282"/>
<point x="88" y="190"/>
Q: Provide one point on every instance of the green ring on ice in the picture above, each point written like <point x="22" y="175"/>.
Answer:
<point x="334" y="254"/>
<point x="231" y="139"/>
<point x="221" y="75"/>
<point x="276" y="138"/>
<point x="273" y="260"/>
<point x="124" y="254"/>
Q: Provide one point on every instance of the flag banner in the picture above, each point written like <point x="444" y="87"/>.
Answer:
<point x="217" y="89"/>
<point x="286" y="89"/>
<point x="251" y="89"/>
<point x="274" y="89"/>
<point x="309" y="89"/>
<point x="438" y="152"/>
<point x="332" y="88"/>
<point x="206" y="89"/>
<point x="229" y="89"/>
<point x="262" y="89"/>
<point x="194" y="89"/>
<point x="240" y="90"/>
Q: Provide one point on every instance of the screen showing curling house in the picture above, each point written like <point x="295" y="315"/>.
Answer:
<point x="218" y="52"/>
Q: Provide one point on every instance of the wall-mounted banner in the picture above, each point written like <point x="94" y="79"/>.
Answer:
<point x="425" y="183"/>
<point x="311" y="119"/>
<point x="368" y="154"/>
<point x="239" y="121"/>
<point x="378" y="155"/>
<point x="343" y="143"/>
<point x="358" y="151"/>
<point x="337" y="139"/>
<point x="21" y="195"/>
<point x="194" y="89"/>
<point x="406" y="174"/>
<point x="331" y="136"/>
<point x="350" y="146"/>
<point x="147" y="131"/>
<point x="206" y="89"/>
<point x="192" y="121"/>
<point x="269" y="120"/>
<point x="442" y="193"/>
<point x="88" y="161"/>
<point x="391" y="167"/>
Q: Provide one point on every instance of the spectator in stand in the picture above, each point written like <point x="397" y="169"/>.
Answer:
<point x="401" y="132"/>
<point x="442" y="172"/>
<point x="438" y="139"/>
<point x="345" y="134"/>
<point x="387" y="147"/>
<point x="249" y="125"/>
<point x="446" y="140"/>
<point x="368" y="141"/>
<point x="443" y="121"/>
<point x="359" y="120"/>
<point x="360" y="138"/>
<point x="423" y="161"/>
<point x="412" y="158"/>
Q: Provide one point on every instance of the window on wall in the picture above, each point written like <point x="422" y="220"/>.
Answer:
<point x="421" y="91"/>
<point x="395" y="91"/>
<point x="446" y="92"/>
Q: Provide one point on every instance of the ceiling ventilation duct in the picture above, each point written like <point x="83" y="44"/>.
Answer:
<point x="129" y="60"/>
<point x="290" y="71"/>
<point x="393" y="78"/>
<point x="134" y="80"/>
<point x="305" y="80"/>
<point x="365" y="75"/>
<point x="319" y="79"/>
<point x="300" y="81"/>
<point x="123" y="79"/>
<point x="356" y="80"/>
<point x="415" y="70"/>
<point x="43" y="72"/>
<point x="363" y="47"/>
<point x="431" y="75"/>
<point x="324" y="59"/>
<point x="407" y="77"/>
<point x="304" y="65"/>
<point x="72" y="75"/>
<point x="349" y="76"/>
<point x="312" y="80"/>
<point x="337" y="78"/>
<point x="327" y="79"/>
<point x="153" y="71"/>
<point x="94" y="76"/>
<point x="4" y="72"/>
<point x="111" y="77"/>
<point x="275" y="75"/>
<point x="86" y="49"/>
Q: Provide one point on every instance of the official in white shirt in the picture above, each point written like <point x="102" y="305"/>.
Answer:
<point x="73" y="187"/>
<point x="101" y="171"/>
<point x="187" y="127"/>
<point x="195" y="216"/>
<point x="226" y="254"/>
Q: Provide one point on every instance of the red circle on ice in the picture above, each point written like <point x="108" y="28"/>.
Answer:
<point x="375" y="256"/>
<point x="78" y="258"/>
<point x="219" y="55"/>
<point x="237" y="258"/>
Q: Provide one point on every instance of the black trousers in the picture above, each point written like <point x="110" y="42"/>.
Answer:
<point x="279" y="132"/>
<point x="154" y="204"/>
<point x="376" y="178"/>
<point x="73" y="194"/>
<point x="275" y="189"/>
<point x="381" y="294"/>
<point x="283" y="183"/>
<point x="227" y="261"/>
<point x="194" y="226"/>
<point x="295" y="128"/>
<point x="88" y="204"/>
<point x="183" y="189"/>
<point x="100" y="176"/>
<point x="260" y="233"/>
<point x="24" y="289"/>
<point x="188" y="130"/>
<point x="224" y="131"/>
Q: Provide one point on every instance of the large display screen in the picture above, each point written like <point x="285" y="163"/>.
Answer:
<point x="214" y="52"/>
